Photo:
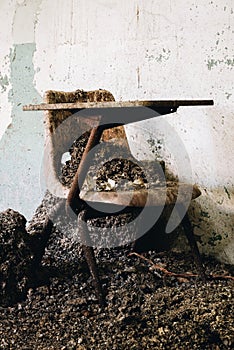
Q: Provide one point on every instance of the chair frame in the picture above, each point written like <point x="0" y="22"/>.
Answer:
<point x="58" y="144"/>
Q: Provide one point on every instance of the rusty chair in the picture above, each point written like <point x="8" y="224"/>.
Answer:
<point x="60" y="139"/>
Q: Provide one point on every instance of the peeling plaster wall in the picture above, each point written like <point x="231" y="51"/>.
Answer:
<point x="6" y="11"/>
<point x="138" y="50"/>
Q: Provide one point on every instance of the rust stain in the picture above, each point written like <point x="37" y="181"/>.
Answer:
<point x="138" y="77"/>
<point x="137" y="13"/>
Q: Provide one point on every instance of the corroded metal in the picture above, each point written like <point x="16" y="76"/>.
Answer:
<point x="193" y="245"/>
<point x="73" y="198"/>
<point x="89" y="255"/>
<point x="101" y="108"/>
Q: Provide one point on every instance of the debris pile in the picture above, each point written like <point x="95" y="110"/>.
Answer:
<point x="16" y="257"/>
<point x="47" y="300"/>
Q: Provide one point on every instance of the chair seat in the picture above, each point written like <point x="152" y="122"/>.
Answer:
<point x="158" y="196"/>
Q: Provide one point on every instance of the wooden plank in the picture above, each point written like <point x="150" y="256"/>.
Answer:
<point x="115" y="104"/>
<point x="140" y="198"/>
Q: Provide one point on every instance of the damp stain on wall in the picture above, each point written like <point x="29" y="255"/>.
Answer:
<point x="22" y="74"/>
<point x="214" y="239"/>
<point x="155" y="147"/>
<point x="4" y="82"/>
<point x="228" y="95"/>
<point x="212" y="63"/>
<point x="160" y="57"/>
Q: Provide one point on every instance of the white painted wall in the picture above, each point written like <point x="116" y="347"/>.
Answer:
<point x="138" y="50"/>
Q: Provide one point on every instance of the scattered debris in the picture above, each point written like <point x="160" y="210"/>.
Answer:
<point x="178" y="275"/>
<point x="143" y="311"/>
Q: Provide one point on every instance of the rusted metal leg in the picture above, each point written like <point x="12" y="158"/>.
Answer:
<point x="89" y="255"/>
<point x="73" y="200"/>
<point x="76" y="204"/>
<point x="193" y="245"/>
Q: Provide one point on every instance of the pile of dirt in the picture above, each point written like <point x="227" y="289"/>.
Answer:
<point x="16" y="257"/>
<point x="52" y="304"/>
<point x="145" y="308"/>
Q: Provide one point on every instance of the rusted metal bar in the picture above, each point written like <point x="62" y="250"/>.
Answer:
<point x="89" y="255"/>
<point x="73" y="200"/>
<point x="193" y="245"/>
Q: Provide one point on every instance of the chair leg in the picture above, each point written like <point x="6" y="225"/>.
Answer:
<point x="193" y="245"/>
<point x="89" y="256"/>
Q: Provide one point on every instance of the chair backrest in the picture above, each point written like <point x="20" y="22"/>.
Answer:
<point x="62" y="128"/>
